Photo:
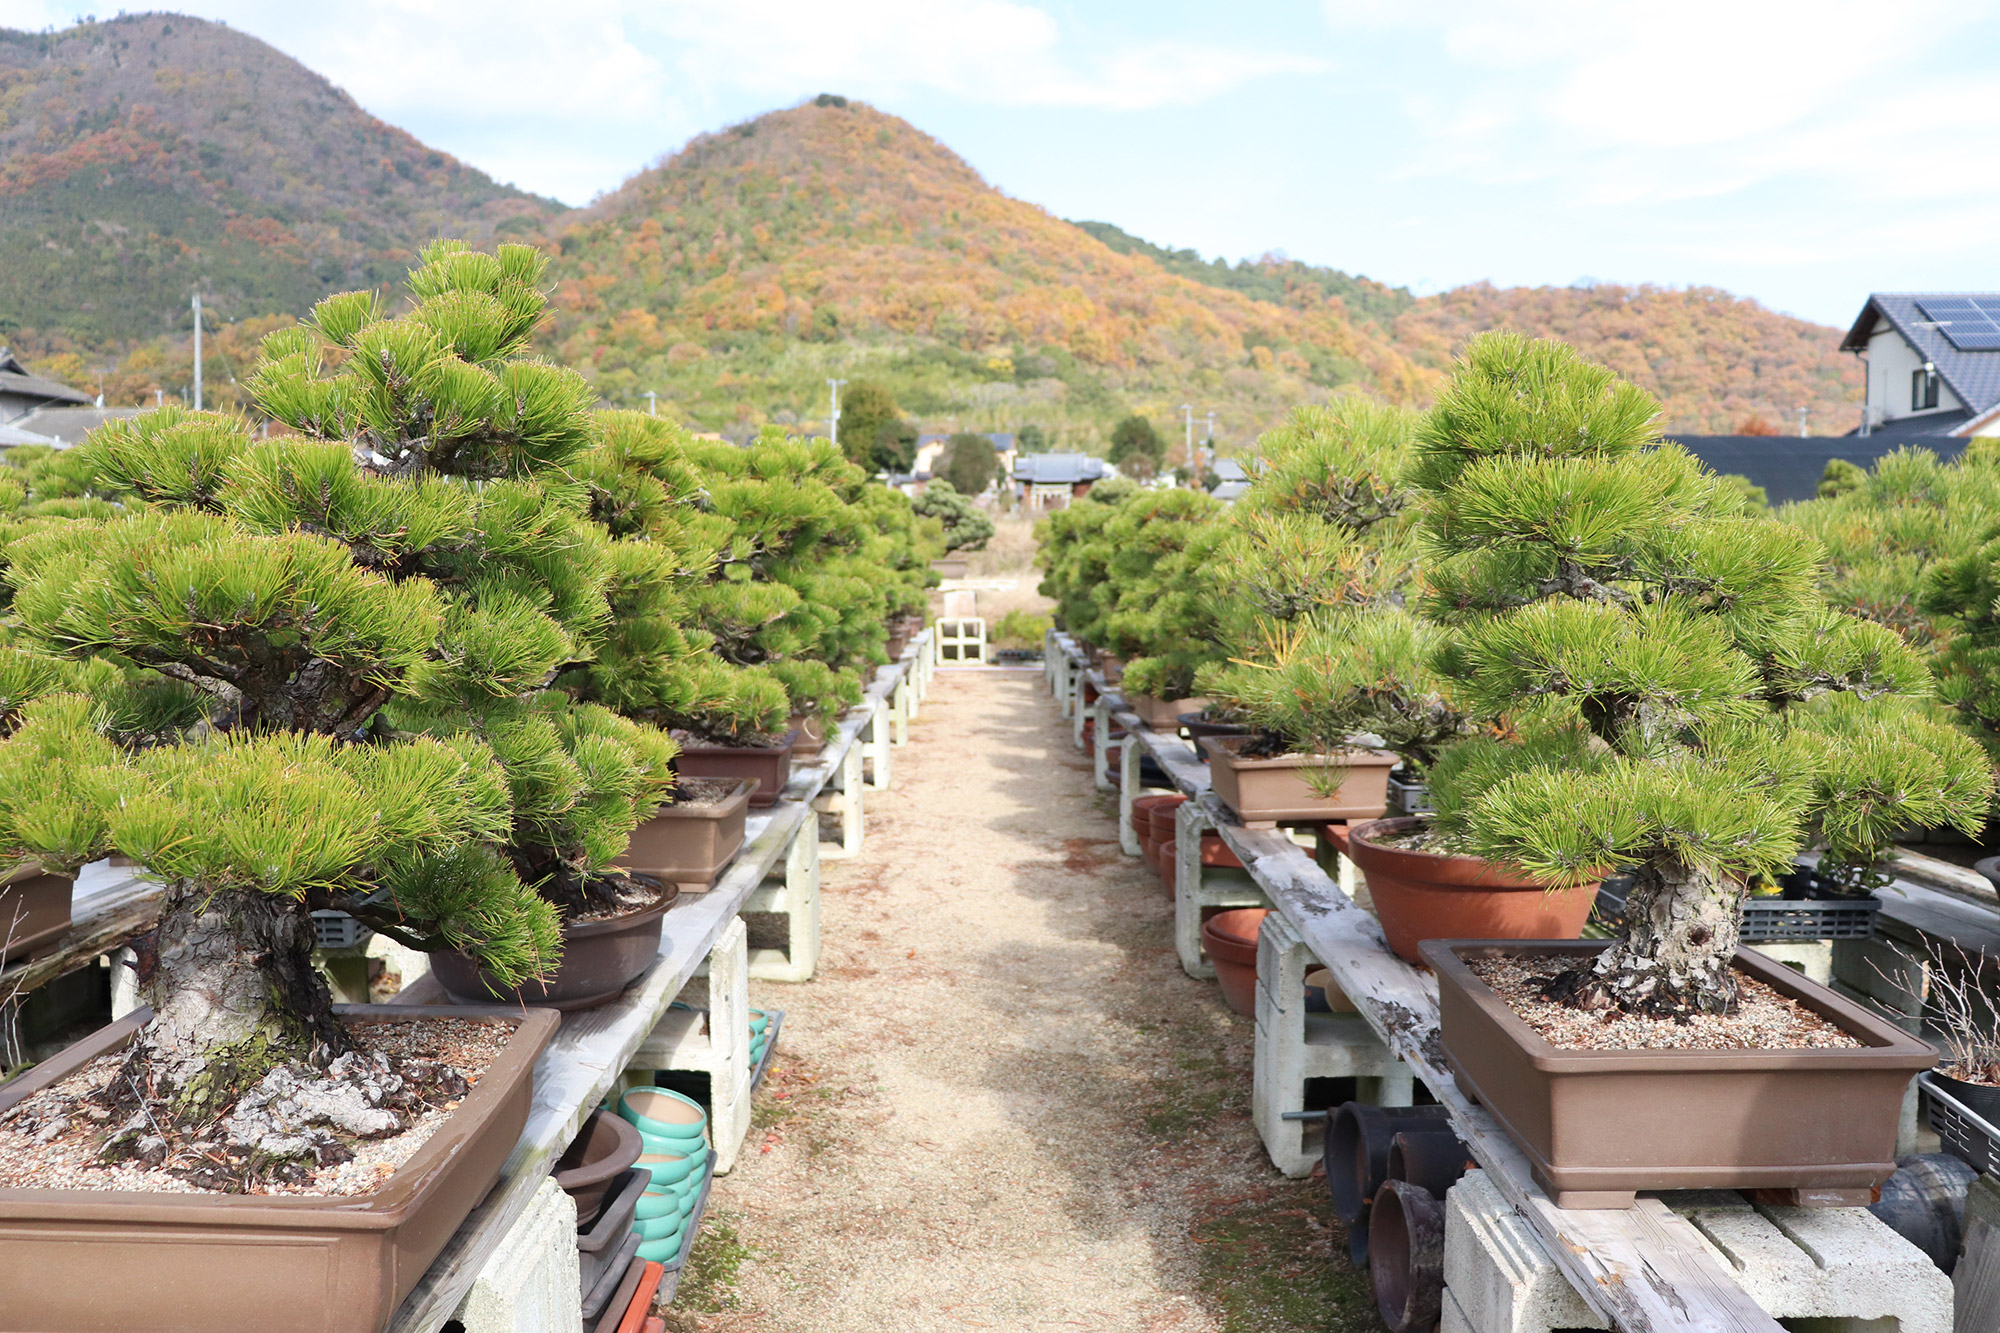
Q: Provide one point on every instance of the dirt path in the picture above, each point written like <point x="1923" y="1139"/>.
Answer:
<point x="1001" y="1104"/>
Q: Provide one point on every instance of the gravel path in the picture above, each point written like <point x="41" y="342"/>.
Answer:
<point x="1001" y="1104"/>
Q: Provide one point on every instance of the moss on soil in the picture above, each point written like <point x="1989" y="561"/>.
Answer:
<point x="708" y="1284"/>
<point x="1276" y="1263"/>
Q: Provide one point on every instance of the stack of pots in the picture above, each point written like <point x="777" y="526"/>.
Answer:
<point x="1388" y="1169"/>
<point x="1230" y="940"/>
<point x="597" y="1171"/>
<point x="760" y="1036"/>
<point x="1153" y="821"/>
<point x="673" y="1131"/>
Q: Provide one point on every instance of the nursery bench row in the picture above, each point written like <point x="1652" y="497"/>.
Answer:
<point x="593" y="1049"/>
<point x="1645" y="1268"/>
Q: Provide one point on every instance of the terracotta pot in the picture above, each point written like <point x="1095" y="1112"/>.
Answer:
<point x="1267" y="792"/>
<point x="1231" y="940"/>
<point x="808" y="735"/>
<point x="34" y="913"/>
<point x="1422" y="896"/>
<point x="1597" y="1126"/>
<point x="690" y="844"/>
<point x="595" y="1159"/>
<point x="1142" y="811"/>
<point x="600" y="959"/>
<point x="771" y="765"/>
<point x="222" y="1263"/>
<point x="1163" y="714"/>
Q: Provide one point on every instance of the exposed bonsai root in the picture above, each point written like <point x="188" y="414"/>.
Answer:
<point x="1645" y="991"/>
<point x="1675" y="959"/>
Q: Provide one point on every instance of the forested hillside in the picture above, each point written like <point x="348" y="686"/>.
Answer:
<point x="143" y="156"/>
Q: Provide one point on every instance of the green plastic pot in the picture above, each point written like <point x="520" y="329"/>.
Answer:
<point x="660" y="1251"/>
<point x="658" y="1113"/>
<point x="663" y="1229"/>
<point x="669" y="1169"/>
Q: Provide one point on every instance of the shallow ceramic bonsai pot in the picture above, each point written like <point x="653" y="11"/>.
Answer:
<point x="770" y="765"/>
<point x="691" y="844"/>
<point x="1163" y="714"/>
<point x="34" y="913"/>
<point x="595" y="1161"/>
<point x="663" y="1114"/>
<point x="600" y="959"/>
<point x="218" y="1263"/>
<point x="1598" y="1125"/>
<point x="808" y="735"/>
<point x="1267" y="792"/>
<point x="1422" y="896"/>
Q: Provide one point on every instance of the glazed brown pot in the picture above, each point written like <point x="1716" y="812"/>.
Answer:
<point x="1422" y="896"/>
<point x="226" y="1263"/>
<point x="1267" y="792"/>
<point x="600" y="959"/>
<point x="1163" y="714"/>
<point x="690" y="844"/>
<point x="771" y="765"/>
<point x="1598" y="1125"/>
<point x="595" y="1159"/>
<point x="1231" y="941"/>
<point x="34" y="913"/>
<point x="808" y="734"/>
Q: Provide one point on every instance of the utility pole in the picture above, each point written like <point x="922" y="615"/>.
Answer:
<point x="197" y="351"/>
<point x="833" y="412"/>
<point x="1194" y="459"/>
<point x="652" y="403"/>
<point x="1802" y="421"/>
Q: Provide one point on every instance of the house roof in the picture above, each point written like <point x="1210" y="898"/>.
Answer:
<point x="16" y="378"/>
<point x="1973" y="375"/>
<point x="1058" y="469"/>
<point x="1230" y="491"/>
<point x="70" y="424"/>
<point x="1229" y="470"/>
<point x="13" y="435"/>
<point x="1789" y="467"/>
<point x="1003" y="441"/>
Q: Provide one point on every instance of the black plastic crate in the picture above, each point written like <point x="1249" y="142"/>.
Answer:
<point x="1805" y="910"/>
<point x="1960" y="1132"/>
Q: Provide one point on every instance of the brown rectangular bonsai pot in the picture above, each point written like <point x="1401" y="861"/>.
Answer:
<point x="106" y="1260"/>
<point x="771" y="765"/>
<point x="1267" y="792"/>
<point x="690" y="845"/>
<point x="1599" y="1125"/>
<point x="808" y="735"/>
<point x="1163" y="714"/>
<point x="34" y="913"/>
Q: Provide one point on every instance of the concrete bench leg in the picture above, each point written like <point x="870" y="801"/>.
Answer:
<point x="531" y="1284"/>
<point x="1065" y="683"/>
<point x="1197" y="886"/>
<point x="1129" y="756"/>
<point x="796" y="897"/>
<point x="713" y="1041"/>
<point x="901" y="708"/>
<point x="845" y="797"/>
<point x="1293" y="1046"/>
<point x="1835" y="1270"/>
<point x="1100" y="749"/>
<point x="876" y="747"/>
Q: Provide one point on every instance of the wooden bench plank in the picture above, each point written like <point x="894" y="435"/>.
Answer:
<point x="110" y="907"/>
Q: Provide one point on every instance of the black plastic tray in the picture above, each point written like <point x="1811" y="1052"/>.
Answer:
<point x="596" y="1246"/>
<point x="600" y="1293"/>
<point x="1960" y="1131"/>
<point x="1767" y="919"/>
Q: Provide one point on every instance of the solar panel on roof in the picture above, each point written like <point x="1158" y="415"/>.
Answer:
<point x="1969" y="323"/>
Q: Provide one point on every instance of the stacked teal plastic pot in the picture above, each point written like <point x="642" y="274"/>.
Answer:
<point x="674" y="1132"/>
<point x="760" y="1036"/>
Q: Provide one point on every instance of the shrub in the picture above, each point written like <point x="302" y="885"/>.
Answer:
<point x="966" y="526"/>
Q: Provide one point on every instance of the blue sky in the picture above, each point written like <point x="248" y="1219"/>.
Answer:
<point x="1803" y="153"/>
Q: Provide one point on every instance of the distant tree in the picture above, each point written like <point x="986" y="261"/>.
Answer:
<point x="1839" y="478"/>
<point x="866" y="410"/>
<point x="969" y="463"/>
<point x="895" y="447"/>
<point x="1135" y="435"/>
<point x="1031" y="439"/>
<point x="965" y="527"/>
<point x="1138" y="467"/>
<point x="1755" y="424"/>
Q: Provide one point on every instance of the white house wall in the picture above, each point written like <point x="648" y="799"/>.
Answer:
<point x="1891" y="362"/>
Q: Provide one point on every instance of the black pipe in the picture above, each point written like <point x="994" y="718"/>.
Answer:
<point x="1406" y="1256"/>
<point x="1356" y="1151"/>
<point x="1432" y="1158"/>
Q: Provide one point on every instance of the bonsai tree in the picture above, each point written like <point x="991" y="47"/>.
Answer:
<point x="966" y="527"/>
<point x="1670" y="695"/>
<point x="357" y="622"/>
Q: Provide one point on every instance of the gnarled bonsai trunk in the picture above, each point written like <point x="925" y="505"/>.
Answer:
<point x="1674" y="958"/>
<point x="234" y="995"/>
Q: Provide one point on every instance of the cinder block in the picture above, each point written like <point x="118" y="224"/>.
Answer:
<point x="1812" y="959"/>
<point x="530" y="1284"/>
<point x="713" y="1041"/>
<point x="1293" y="1046"/>
<point x="796" y="897"/>
<point x="1496" y="1270"/>
<point x="1197" y="886"/>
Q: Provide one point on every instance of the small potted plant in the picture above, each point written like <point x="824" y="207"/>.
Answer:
<point x="1674" y="701"/>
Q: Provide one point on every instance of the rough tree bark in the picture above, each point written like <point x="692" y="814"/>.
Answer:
<point x="234" y="995"/>
<point x="1674" y="957"/>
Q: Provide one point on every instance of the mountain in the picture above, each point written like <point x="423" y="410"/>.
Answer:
<point x="831" y="240"/>
<point x="148" y="156"/>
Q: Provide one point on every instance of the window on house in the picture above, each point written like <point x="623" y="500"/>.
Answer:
<point x="1923" y="388"/>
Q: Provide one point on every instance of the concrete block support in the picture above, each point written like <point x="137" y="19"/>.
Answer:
<point x="1833" y="1270"/>
<point x="876" y="747"/>
<point x="1197" y="887"/>
<point x="1129" y="756"/>
<point x="1100" y="750"/>
<point x="795" y="896"/>
<point x="713" y="1041"/>
<point x="902" y="707"/>
<point x="530" y="1284"/>
<point x="1293" y="1046"/>
<point x="845" y="796"/>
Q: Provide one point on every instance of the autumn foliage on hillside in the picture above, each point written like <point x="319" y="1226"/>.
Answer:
<point x="835" y="226"/>
<point x="1715" y="360"/>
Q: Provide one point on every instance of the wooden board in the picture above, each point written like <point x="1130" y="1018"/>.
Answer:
<point x="1645" y="1269"/>
<point x="592" y="1049"/>
<point x="109" y="908"/>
